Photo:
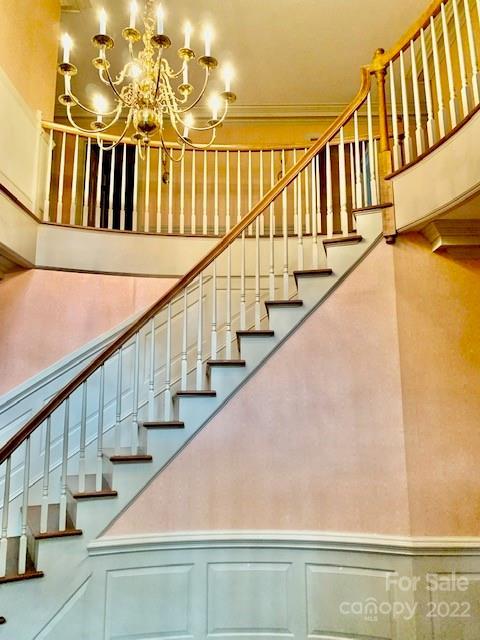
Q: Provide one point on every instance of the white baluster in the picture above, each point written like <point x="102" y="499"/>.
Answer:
<point x="318" y="189"/>
<point x="228" y="322"/>
<point x="448" y="60"/>
<point x="123" y="188"/>
<point x="299" y="224"/>
<point x="135" y="191"/>
<point x="473" y="53"/>
<point x="101" y="410"/>
<point x="170" y="196"/>
<point x="136" y="382"/>
<point x="193" y="219"/>
<point x="328" y="164"/>
<point x="260" y="181"/>
<point x="299" y="197"/>
<point x="46" y="478"/>
<point x="167" y="395"/>
<point x="199" y="367"/>
<point x="216" y="222"/>
<point x="184" y="357"/>
<point x="407" y="140"/>
<point x="285" y="233"/>
<point x="146" y="218"/>
<point x="364" y="173"/>
<point x="271" y="230"/>
<point x="83" y="440"/>
<point x="48" y="178"/>
<point x="22" y="550"/>
<point x="227" y="192"/>
<point x="297" y="207"/>
<point x="86" y="188"/>
<point x="396" y="150"/>
<point x="5" y="513"/>
<point x="205" y="194"/>
<point x="182" y="195"/>
<point x="243" y="309"/>
<point x="464" y="91"/>
<point x="351" y="154"/>
<point x="159" y="192"/>
<point x="377" y="170"/>
<point x="428" y="91"/>
<point x="343" y="184"/>
<point x="98" y="199"/>
<point x="61" y="180"/>
<point x="151" y="384"/>
<point x="62" y="519"/>
<point x="257" y="274"/>
<point x="438" y="81"/>
<point x="213" y="338"/>
<point x="250" y="187"/>
<point x="358" y="170"/>
<point x="308" y="209"/>
<point x="111" y="189"/>
<point x="73" y="201"/>
<point x="419" y="135"/>
<point x="371" y="152"/>
<point x="315" y="211"/>
<point x="239" y="187"/>
<point x="118" y="402"/>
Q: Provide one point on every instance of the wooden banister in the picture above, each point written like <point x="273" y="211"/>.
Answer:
<point x="34" y="422"/>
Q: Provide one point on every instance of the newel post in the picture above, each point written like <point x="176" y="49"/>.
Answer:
<point x="379" y="70"/>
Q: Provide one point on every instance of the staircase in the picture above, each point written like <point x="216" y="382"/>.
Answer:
<point x="56" y="534"/>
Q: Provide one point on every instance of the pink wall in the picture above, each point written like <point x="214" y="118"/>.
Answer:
<point x="313" y="442"/>
<point x="45" y="315"/>
<point x="438" y="302"/>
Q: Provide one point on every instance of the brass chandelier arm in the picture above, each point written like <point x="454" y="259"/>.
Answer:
<point x="100" y="130"/>
<point x="82" y="106"/>
<point x="167" y="152"/>
<point x="200" y="96"/>
<point x="122" y="136"/>
<point x="114" y="89"/>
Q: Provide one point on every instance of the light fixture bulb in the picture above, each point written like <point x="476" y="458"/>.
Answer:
<point x="135" y="70"/>
<point x="100" y="104"/>
<point x="228" y="76"/>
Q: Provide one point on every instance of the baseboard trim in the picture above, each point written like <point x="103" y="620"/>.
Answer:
<point x="368" y="542"/>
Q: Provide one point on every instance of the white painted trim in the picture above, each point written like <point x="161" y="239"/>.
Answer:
<point x="368" y="542"/>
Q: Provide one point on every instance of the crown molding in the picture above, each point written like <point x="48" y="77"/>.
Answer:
<point x="74" y="6"/>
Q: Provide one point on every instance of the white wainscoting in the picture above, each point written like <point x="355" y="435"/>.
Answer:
<point x="270" y="585"/>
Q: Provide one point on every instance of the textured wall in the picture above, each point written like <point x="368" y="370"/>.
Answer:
<point x="28" y="49"/>
<point x="45" y="315"/>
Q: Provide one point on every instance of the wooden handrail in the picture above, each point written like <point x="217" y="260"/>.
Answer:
<point x="412" y="33"/>
<point x="34" y="422"/>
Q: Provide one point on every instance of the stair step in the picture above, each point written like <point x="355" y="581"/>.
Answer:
<point x="353" y="238"/>
<point x="90" y="488"/>
<point x="373" y="207"/>
<point x="283" y="303"/>
<point x="125" y="456"/>
<point x="53" y="531"/>
<point x="312" y="273"/>
<point x="158" y="424"/>
<point x="256" y="332"/>
<point x="192" y="393"/>
<point x="12" y="574"/>
<point x="225" y="363"/>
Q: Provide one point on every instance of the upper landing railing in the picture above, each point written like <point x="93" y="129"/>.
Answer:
<point x="206" y="193"/>
<point x="168" y="347"/>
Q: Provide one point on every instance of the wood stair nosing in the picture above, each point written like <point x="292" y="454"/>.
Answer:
<point x="192" y="393"/>
<point x="294" y="302"/>
<point x="162" y="424"/>
<point x="312" y="273"/>
<point x="53" y="531"/>
<point x="343" y="240"/>
<point x="126" y="456"/>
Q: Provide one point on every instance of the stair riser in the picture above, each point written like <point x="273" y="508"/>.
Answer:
<point x="195" y="410"/>
<point x="254" y="349"/>
<point x="225" y="379"/>
<point x="310" y="288"/>
<point x="283" y="319"/>
<point x="161" y="443"/>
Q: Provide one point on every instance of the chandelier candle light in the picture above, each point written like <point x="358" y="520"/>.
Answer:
<point x="143" y="90"/>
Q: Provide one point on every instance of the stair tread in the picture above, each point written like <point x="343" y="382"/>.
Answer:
<point x="373" y="207"/>
<point x="350" y="239"/>
<point x="255" y="332"/>
<point x="284" y="303"/>
<point x="192" y="392"/>
<point x="325" y="271"/>
<point x="12" y="574"/>
<point x="226" y="363"/>
<point x="90" y="488"/>
<point x="162" y="424"/>
<point x="125" y="454"/>
<point x="53" y="531"/>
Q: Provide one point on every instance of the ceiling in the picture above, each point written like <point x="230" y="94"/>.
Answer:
<point x="290" y="56"/>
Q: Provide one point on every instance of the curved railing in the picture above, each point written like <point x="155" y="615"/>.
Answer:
<point x="204" y="194"/>
<point x="167" y="348"/>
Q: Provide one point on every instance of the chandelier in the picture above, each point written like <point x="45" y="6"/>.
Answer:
<point x="147" y="92"/>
